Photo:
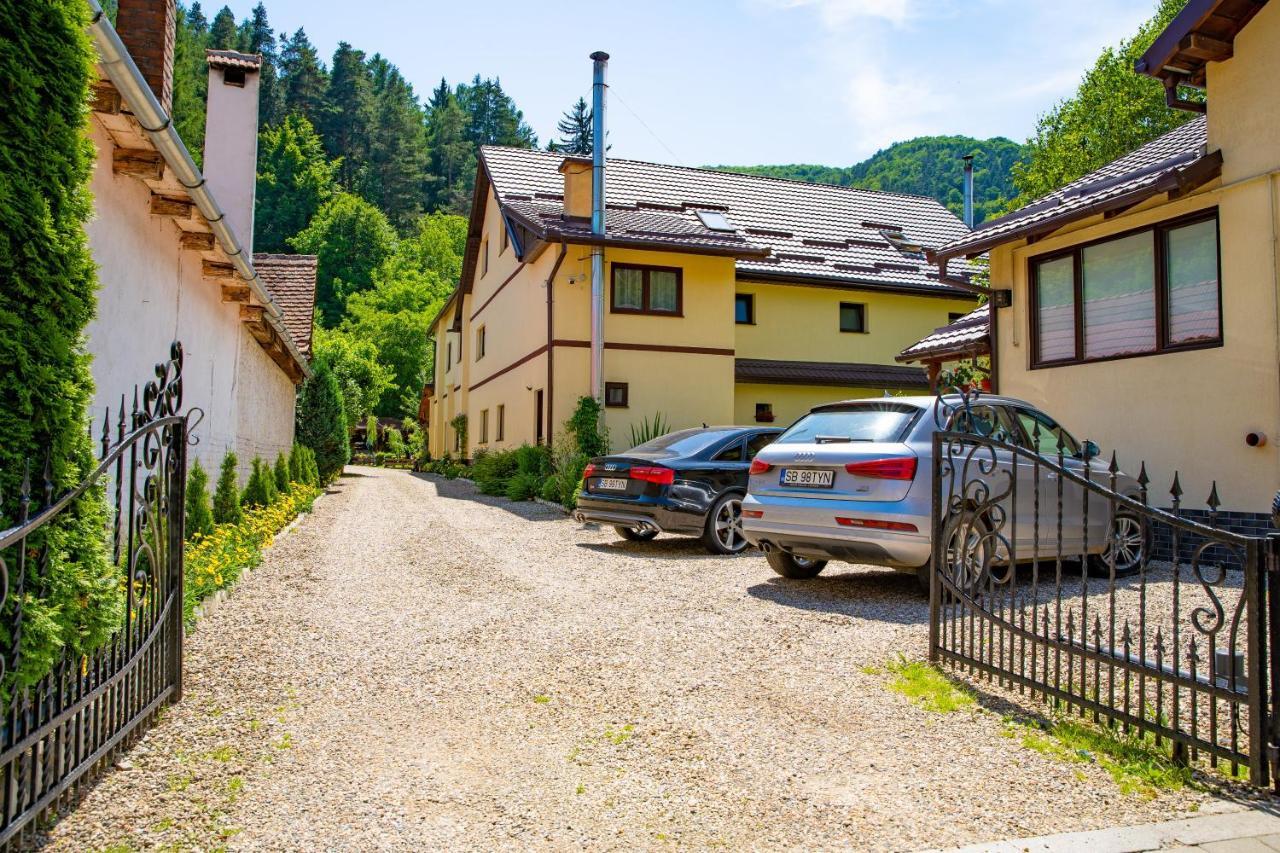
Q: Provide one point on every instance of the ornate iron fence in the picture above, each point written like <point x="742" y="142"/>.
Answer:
<point x="75" y="720"/>
<point x="1047" y="580"/>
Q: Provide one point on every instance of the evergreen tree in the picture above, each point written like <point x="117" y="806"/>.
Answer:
<point x="396" y="173"/>
<point x="282" y="474"/>
<point x="261" y="39"/>
<point x="46" y="300"/>
<point x="453" y="158"/>
<point x="223" y="34"/>
<point x="492" y="117"/>
<point x="226" y="497"/>
<point x="198" y="511"/>
<point x="258" y="491"/>
<point x="1112" y="112"/>
<point x="348" y="120"/>
<point x="575" y="131"/>
<point x="190" y="78"/>
<point x="302" y="77"/>
<point x="196" y="19"/>
<point x="351" y="238"/>
<point x="439" y="96"/>
<point x="294" y="180"/>
<point x="296" y="463"/>
<point x="322" y="424"/>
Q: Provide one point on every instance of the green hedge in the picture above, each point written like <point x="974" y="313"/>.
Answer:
<point x="47" y="285"/>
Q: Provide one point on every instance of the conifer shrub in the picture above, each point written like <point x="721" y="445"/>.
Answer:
<point x="257" y="492"/>
<point x="46" y="300"/>
<point x="322" y="423"/>
<point x="226" y="497"/>
<point x="296" y="473"/>
<point x="199" y="513"/>
<point x="282" y="474"/>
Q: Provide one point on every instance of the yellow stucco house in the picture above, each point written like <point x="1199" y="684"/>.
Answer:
<point x="1138" y="304"/>
<point x="729" y="298"/>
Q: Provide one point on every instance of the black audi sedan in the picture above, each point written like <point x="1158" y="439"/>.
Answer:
<point x="689" y="482"/>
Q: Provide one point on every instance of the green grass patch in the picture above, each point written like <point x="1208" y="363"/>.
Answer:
<point x="541" y="699"/>
<point x="927" y="686"/>
<point x="1134" y="761"/>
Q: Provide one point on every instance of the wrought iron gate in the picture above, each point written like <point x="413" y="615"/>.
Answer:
<point x="80" y="715"/>
<point x="1055" y="574"/>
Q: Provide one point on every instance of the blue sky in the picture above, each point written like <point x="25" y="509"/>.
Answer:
<point x="745" y="81"/>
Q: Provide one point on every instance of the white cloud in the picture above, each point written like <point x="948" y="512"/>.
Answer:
<point x="884" y="110"/>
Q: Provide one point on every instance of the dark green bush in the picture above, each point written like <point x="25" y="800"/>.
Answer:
<point x="282" y="474"/>
<point x="322" y="423"/>
<point x="523" y="486"/>
<point x="226" y="498"/>
<point x="258" y="491"/>
<point x="491" y="469"/>
<point x="550" y="489"/>
<point x="198" y="511"/>
<point x="47" y="285"/>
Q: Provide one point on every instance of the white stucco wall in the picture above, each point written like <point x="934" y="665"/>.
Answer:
<point x="151" y="293"/>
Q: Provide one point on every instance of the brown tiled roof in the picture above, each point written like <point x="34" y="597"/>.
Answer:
<point x="1175" y="162"/>
<point x="233" y="59"/>
<point x="884" y="376"/>
<point x="969" y="335"/>
<point x="785" y="230"/>
<point x="291" y="280"/>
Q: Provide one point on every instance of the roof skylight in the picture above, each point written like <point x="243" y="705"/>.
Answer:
<point x="714" y="220"/>
<point x="899" y="241"/>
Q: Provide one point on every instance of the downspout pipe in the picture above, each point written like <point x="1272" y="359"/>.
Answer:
<point x="146" y="108"/>
<point x="549" y="403"/>
<point x="599" y="86"/>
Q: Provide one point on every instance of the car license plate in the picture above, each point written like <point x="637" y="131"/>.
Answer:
<point x="808" y="478"/>
<point x="613" y="484"/>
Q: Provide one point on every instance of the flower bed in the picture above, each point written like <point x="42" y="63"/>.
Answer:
<point x="216" y="561"/>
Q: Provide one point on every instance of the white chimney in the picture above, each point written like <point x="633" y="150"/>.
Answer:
<point x="231" y="137"/>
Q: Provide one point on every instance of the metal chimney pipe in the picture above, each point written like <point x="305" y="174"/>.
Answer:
<point x="598" y="89"/>
<point x="968" y="191"/>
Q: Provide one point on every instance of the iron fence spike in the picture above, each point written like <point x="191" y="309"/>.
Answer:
<point x="1176" y="489"/>
<point x="1143" y="479"/>
<point x="1213" y="501"/>
<point x="1114" y="467"/>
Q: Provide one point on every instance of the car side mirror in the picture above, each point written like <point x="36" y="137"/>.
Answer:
<point x="1090" y="451"/>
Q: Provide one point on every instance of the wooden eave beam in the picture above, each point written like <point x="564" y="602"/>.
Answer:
<point x="1206" y="47"/>
<point x="177" y="208"/>
<point x="217" y="269"/>
<point x="138" y="162"/>
<point x="104" y="98"/>
<point x="198" y="241"/>
<point x="235" y="293"/>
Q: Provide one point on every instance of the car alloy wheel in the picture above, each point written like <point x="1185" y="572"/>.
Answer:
<point x="967" y="553"/>
<point x="1127" y="545"/>
<point x="727" y="526"/>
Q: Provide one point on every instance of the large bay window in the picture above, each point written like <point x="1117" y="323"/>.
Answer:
<point x="1143" y="292"/>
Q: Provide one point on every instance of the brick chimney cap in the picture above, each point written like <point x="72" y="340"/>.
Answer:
<point x="234" y="59"/>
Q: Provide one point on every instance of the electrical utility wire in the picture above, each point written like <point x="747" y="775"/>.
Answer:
<point x="614" y="92"/>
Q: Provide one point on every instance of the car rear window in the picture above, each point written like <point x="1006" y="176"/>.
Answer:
<point x="684" y="442"/>
<point x="867" y="422"/>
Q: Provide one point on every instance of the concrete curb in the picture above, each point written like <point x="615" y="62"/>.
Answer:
<point x="1231" y="827"/>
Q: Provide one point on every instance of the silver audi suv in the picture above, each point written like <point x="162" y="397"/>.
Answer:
<point x="852" y="481"/>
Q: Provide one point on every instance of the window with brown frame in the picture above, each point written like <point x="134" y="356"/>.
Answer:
<point x="506" y="238"/>
<point x="764" y="413"/>
<point x="1143" y="292"/>
<point x="484" y="426"/>
<point x="647" y="290"/>
<point x="616" y="395"/>
<point x="479" y="343"/>
<point x="448" y="356"/>
<point x="500" y="427"/>
<point x="853" y="317"/>
<point x="484" y="258"/>
<point x="744" y="309"/>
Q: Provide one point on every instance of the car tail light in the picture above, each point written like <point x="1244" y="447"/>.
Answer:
<point x="876" y="524"/>
<point x="889" y="468"/>
<point x="753" y="513"/>
<point x="588" y="472"/>
<point x="654" y="474"/>
<point x="759" y="466"/>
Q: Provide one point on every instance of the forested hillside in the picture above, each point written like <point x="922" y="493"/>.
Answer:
<point x="927" y="165"/>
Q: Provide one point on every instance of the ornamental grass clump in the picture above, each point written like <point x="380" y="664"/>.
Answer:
<point x="215" y="561"/>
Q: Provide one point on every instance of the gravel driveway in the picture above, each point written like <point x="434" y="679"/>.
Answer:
<point x="416" y="666"/>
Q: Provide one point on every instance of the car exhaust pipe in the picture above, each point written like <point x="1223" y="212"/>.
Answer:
<point x="765" y="546"/>
<point x="579" y="517"/>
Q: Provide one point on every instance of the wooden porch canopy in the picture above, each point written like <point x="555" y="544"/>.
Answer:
<point x="967" y="337"/>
